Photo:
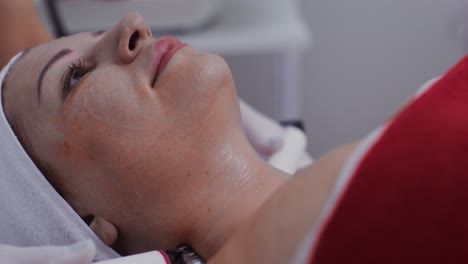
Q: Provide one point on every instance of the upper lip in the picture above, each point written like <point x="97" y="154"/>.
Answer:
<point x="163" y="47"/>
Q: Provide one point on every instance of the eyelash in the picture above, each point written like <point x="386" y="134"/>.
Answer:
<point x="77" y="66"/>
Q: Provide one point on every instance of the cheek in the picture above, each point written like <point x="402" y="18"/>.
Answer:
<point x="117" y="101"/>
<point x="112" y="124"/>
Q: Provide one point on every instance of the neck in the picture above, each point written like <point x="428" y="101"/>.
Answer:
<point x="220" y="185"/>
<point x="241" y="183"/>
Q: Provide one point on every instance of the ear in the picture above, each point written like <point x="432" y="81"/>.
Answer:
<point x="104" y="229"/>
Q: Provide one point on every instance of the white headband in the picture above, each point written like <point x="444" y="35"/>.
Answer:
<point x="32" y="213"/>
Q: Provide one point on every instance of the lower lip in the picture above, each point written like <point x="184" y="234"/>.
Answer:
<point x="164" y="51"/>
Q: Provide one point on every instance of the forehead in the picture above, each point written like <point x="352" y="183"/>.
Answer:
<point x="24" y="73"/>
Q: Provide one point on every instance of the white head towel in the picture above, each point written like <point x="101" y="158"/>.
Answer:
<point x="32" y="213"/>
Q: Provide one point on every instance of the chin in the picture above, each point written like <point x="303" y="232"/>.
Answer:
<point x="214" y="87"/>
<point x="212" y="72"/>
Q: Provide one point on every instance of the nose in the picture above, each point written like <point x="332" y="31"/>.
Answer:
<point x="130" y="33"/>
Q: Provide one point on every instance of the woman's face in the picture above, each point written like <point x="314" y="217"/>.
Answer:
<point x="89" y="106"/>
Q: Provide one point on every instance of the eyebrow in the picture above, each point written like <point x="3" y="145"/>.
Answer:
<point x="49" y="64"/>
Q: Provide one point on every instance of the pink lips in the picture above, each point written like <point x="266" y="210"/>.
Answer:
<point x="164" y="50"/>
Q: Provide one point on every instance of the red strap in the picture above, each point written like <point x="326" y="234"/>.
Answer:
<point x="408" y="200"/>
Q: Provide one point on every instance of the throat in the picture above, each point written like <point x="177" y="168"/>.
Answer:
<point x="232" y="201"/>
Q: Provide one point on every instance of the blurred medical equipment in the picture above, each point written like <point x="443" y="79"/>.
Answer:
<point x="152" y="257"/>
<point x="80" y="253"/>
<point x="83" y="253"/>
<point x="72" y="16"/>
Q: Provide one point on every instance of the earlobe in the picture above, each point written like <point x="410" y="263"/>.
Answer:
<point x="105" y="230"/>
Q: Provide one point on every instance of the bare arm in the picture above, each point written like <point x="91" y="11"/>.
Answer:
<point x="21" y="28"/>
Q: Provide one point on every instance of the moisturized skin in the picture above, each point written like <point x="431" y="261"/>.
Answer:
<point x="156" y="167"/>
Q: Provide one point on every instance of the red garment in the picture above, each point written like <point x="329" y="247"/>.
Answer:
<point x="407" y="202"/>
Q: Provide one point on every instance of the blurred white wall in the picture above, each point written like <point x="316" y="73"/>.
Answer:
<point x="367" y="57"/>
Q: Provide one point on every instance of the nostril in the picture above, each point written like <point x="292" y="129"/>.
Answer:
<point x="133" y="40"/>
